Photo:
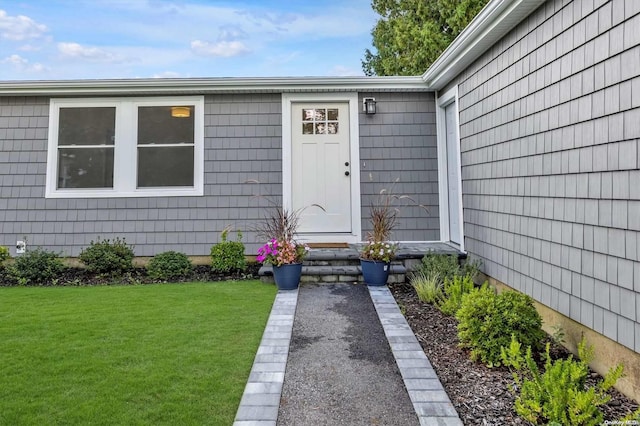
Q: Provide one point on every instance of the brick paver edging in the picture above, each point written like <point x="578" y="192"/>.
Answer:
<point x="431" y="402"/>
<point x="261" y="398"/>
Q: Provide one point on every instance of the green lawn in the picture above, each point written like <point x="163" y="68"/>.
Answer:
<point x="135" y="355"/>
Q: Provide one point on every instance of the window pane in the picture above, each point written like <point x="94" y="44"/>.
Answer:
<point x="307" y="128"/>
<point x="85" y="168"/>
<point x="87" y="126"/>
<point x="307" y="114"/>
<point x="156" y="125"/>
<point x="165" y="166"/>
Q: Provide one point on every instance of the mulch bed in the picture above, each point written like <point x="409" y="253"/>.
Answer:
<point x="81" y="277"/>
<point x="480" y="394"/>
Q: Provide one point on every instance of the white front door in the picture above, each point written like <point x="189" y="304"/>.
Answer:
<point x="321" y="166"/>
<point x="453" y="173"/>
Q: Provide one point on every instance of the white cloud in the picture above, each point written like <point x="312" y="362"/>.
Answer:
<point x="18" y="28"/>
<point x="15" y="60"/>
<point x="93" y="54"/>
<point x="30" y="48"/>
<point x="223" y="48"/>
<point x="22" y="64"/>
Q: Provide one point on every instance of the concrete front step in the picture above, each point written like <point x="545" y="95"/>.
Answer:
<point x="343" y="264"/>
<point x="335" y="273"/>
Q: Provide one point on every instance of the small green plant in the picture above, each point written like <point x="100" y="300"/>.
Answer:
<point x="227" y="256"/>
<point x="169" y="265"/>
<point x="108" y="257"/>
<point x="558" y="334"/>
<point x="37" y="266"/>
<point x="488" y="320"/>
<point x="445" y="266"/>
<point x="558" y="394"/>
<point x="403" y="308"/>
<point x="471" y="268"/>
<point x="631" y="419"/>
<point x="453" y="290"/>
<point x="427" y="286"/>
<point x="4" y="255"/>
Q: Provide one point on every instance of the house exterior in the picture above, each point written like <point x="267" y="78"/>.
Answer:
<point x="548" y="117"/>
<point x="81" y="160"/>
<point x="523" y="139"/>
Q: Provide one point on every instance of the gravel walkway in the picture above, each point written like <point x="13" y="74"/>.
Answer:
<point x="340" y="368"/>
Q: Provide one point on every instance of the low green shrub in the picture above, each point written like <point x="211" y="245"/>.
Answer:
<point x="445" y="266"/>
<point x="37" y="266"/>
<point x="558" y="394"/>
<point x="108" y="257"/>
<point x="427" y="286"/>
<point x="488" y="320"/>
<point x="4" y="255"/>
<point x="169" y="265"/>
<point x="228" y="256"/>
<point x="453" y="290"/>
<point x="471" y="268"/>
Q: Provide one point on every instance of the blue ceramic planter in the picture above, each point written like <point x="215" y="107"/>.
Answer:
<point x="375" y="273"/>
<point x="287" y="277"/>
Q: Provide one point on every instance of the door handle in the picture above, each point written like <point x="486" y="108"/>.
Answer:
<point x="346" y="173"/>
<point x="346" y="163"/>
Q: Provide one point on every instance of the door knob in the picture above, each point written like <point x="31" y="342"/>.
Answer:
<point x="346" y="173"/>
<point x="346" y="163"/>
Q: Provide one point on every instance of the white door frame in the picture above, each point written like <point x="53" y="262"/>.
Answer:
<point x="444" y="100"/>
<point x="354" y="152"/>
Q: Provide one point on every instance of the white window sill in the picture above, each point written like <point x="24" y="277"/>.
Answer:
<point x="108" y="193"/>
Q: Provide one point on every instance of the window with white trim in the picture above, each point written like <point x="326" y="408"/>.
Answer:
<point x="126" y="147"/>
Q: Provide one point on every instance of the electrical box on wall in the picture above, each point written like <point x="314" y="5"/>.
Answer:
<point x="21" y="247"/>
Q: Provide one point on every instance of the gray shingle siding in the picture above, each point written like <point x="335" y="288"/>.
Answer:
<point x="243" y="137"/>
<point x="399" y="143"/>
<point x="243" y="141"/>
<point x="550" y="142"/>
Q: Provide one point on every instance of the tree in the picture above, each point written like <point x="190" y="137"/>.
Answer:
<point x="411" y="34"/>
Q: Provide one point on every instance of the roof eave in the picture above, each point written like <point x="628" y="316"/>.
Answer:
<point x="493" y="22"/>
<point x="156" y="86"/>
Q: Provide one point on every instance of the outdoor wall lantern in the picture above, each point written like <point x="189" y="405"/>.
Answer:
<point x="369" y="105"/>
<point x="180" y="112"/>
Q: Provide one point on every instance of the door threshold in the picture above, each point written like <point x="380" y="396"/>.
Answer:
<point x="328" y="245"/>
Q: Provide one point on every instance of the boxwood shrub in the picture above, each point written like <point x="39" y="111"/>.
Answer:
<point x="169" y="265"/>
<point x="36" y="267"/>
<point x="228" y="256"/>
<point x="487" y="322"/>
<point x="108" y="257"/>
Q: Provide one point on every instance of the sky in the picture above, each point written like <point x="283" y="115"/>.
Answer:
<point x="99" y="39"/>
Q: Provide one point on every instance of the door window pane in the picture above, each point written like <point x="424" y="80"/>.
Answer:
<point x="165" y="166"/>
<point x="319" y="121"/>
<point x="85" y="168"/>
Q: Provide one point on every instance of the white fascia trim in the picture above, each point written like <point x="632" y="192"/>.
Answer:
<point x="173" y="86"/>
<point x="354" y="151"/>
<point x="494" y="21"/>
